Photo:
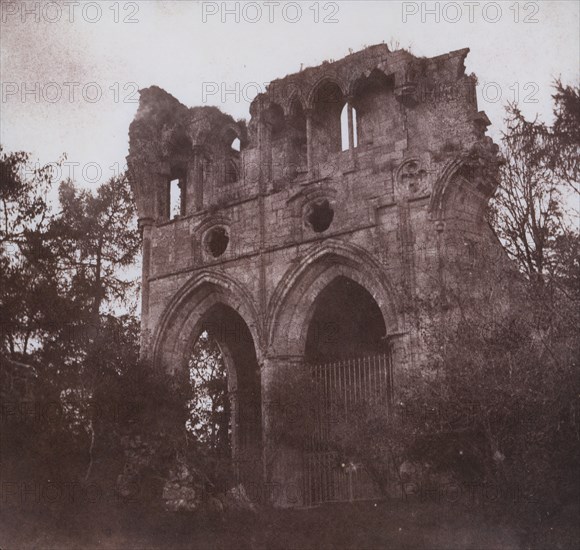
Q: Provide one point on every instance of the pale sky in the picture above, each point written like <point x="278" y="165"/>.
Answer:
<point x="58" y="57"/>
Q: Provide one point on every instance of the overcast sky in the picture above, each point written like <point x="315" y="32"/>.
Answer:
<point x="70" y="72"/>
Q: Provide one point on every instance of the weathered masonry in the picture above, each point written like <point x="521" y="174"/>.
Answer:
<point x="300" y="237"/>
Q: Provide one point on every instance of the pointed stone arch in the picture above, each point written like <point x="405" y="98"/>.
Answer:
<point x="360" y="80"/>
<point x="219" y="305"/>
<point x="292" y="304"/>
<point x="182" y="319"/>
<point x="290" y="103"/>
<point x="466" y="183"/>
<point x="321" y="82"/>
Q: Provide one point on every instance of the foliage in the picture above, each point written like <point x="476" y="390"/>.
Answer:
<point x="96" y="239"/>
<point x="508" y="362"/>
<point x="63" y="268"/>
<point x="60" y="265"/>
<point x="209" y="407"/>
<point x="564" y="142"/>
<point x="29" y="295"/>
<point x="538" y="179"/>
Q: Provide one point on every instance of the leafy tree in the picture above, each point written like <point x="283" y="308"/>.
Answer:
<point x="29" y="296"/>
<point x="507" y="357"/>
<point x="97" y="239"/>
<point x="64" y="269"/>
<point x="65" y="272"/>
<point x="564" y="137"/>
<point x="529" y="210"/>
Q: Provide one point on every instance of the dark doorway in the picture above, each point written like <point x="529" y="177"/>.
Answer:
<point x="350" y="368"/>
<point x="347" y="322"/>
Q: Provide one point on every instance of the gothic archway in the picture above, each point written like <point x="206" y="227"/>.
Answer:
<point x="213" y="305"/>
<point x="293" y="303"/>
<point x="350" y="366"/>
<point x="243" y="404"/>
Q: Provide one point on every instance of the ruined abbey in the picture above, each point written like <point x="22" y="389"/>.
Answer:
<point x="298" y="238"/>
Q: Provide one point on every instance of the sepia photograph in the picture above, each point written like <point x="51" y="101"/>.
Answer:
<point x="289" y="275"/>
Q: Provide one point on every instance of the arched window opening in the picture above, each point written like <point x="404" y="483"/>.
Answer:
<point x="375" y="108"/>
<point x="297" y="141"/>
<point x="326" y="122"/>
<point x="176" y="199"/>
<point x="344" y="128"/>
<point x="231" y="172"/>
<point x="231" y="158"/>
<point x="276" y="120"/>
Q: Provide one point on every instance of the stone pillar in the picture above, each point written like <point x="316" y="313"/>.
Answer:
<point x="350" y="126"/>
<point x="197" y="178"/>
<point x="189" y="189"/>
<point x="162" y="205"/>
<point x="351" y="129"/>
<point x="146" y="227"/>
<point x="283" y="469"/>
<point x="309" y="144"/>
<point x="265" y="148"/>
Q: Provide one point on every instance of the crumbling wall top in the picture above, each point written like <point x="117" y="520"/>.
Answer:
<point x="349" y="72"/>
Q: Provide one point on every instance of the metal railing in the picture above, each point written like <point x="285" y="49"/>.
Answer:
<point x="342" y="386"/>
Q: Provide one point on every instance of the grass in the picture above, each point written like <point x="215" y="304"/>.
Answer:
<point x="388" y="524"/>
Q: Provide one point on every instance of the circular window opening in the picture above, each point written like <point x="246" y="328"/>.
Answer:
<point x="217" y="241"/>
<point x="320" y="216"/>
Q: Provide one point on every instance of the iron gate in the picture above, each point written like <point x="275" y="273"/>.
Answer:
<point x="342" y="386"/>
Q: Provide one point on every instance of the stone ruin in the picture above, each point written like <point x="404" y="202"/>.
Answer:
<point x="300" y="237"/>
